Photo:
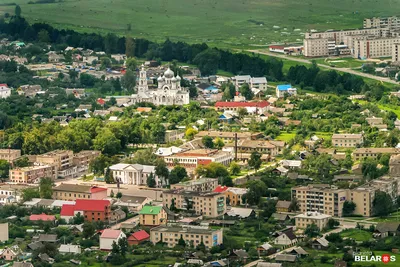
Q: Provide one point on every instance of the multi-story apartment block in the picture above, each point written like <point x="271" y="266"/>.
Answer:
<point x="199" y="185"/>
<point x="61" y="160"/>
<point x="373" y="152"/>
<point x="395" y="52"/>
<point x="316" y="47"/>
<point x="76" y="191"/>
<point x="382" y="22"/>
<point x="308" y="218"/>
<point x="347" y="140"/>
<point x="30" y="175"/>
<point x="134" y="174"/>
<point x="229" y="136"/>
<point x="84" y="158"/>
<point x="152" y="216"/>
<point x="234" y="195"/>
<point x="193" y="158"/>
<point x="375" y="47"/>
<point x="209" y="204"/>
<point x="173" y="135"/>
<point x="10" y="154"/>
<point x="193" y="236"/>
<point x="259" y="83"/>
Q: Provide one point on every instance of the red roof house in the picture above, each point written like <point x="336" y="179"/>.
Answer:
<point x="42" y="217"/>
<point x="67" y="212"/>
<point x="93" y="209"/>
<point x="221" y="188"/>
<point x="138" y="237"/>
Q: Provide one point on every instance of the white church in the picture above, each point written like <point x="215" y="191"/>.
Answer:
<point x="169" y="91"/>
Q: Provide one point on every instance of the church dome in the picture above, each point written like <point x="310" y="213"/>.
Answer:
<point x="169" y="73"/>
<point x="174" y="80"/>
<point x="160" y="79"/>
<point x="178" y="77"/>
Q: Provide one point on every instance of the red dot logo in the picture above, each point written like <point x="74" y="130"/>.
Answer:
<point x="385" y="258"/>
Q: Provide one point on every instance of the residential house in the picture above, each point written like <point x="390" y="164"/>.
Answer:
<point x="241" y="213"/>
<point x="286" y="237"/>
<point x="22" y="264"/>
<point x="386" y="229"/>
<point x="265" y="249"/>
<point x="11" y="193"/>
<point x="282" y="206"/>
<point x="240" y="80"/>
<point x="138" y="238"/>
<point x="285" y="89"/>
<point x="280" y="217"/>
<point x="239" y="255"/>
<point x="251" y="107"/>
<point x="42" y="217"/>
<point x="5" y="91"/>
<point x="210" y="204"/>
<point x="45" y="238"/>
<point x="297" y="251"/>
<point x="10" y="253"/>
<point x="286" y="258"/>
<point x="117" y="215"/>
<point x="308" y="218"/>
<point x="69" y="248"/>
<point x="10" y="154"/>
<point x="152" y="216"/>
<point x="77" y="191"/>
<point x="191" y="235"/>
<point x="67" y="212"/>
<point x="291" y="164"/>
<point x="133" y="174"/>
<point x="133" y="203"/>
<point x="268" y="264"/>
<point x="55" y="58"/>
<point x="108" y="236"/>
<point x="4" y="234"/>
<point x="320" y="243"/>
<point x="347" y="140"/>
<point x="259" y="83"/>
<point x="29" y="90"/>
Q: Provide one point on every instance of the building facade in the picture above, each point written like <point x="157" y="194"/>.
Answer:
<point x="209" y="204"/>
<point x="5" y="91"/>
<point x="31" y="175"/>
<point x="10" y="154"/>
<point x="133" y="174"/>
<point x="395" y="52"/>
<point x="347" y="140"/>
<point x="373" y="152"/>
<point x="192" y="236"/>
<point x="61" y="160"/>
<point x="152" y="216"/>
<point x="308" y="218"/>
<point x="199" y="185"/>
<point x="76" y="191"/>
<point x="229" y="136"/>
<point x="193" y="158"/>
<point x="93" y="209"/>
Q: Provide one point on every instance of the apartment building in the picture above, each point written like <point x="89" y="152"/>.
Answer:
<point x="373" y="152"/>
<point x="199" y="185"/>
<point x="395" y="52"/>
<point x="394" y="165"/>
<point x="347" y="140"/>
<point x="308" y="218"/>
<point x="272" y="148"/>
<point x="84" y="158"/>
<point x="76" y="191"/>
<point x="32" y="174"/>
<point x="382" y="22"/>
<point x="229" y="136"/>
<point x="209" y="204"/>
<point x="285" y="89"/>
<point x="375" y="47"/>
<point x="259" y="83"/>
<point x="241" y="79"/>
<point x="193" y="158"/>
<point x="234" y="195"/>
<point x="152" y="216"/>
<point x="10" y="154"/>
<point x="316" y="47"/>
<point x="192" y="235"/>
<point x="173" y="135"/>
<point x="61" y="160"/>
<point x="133" y="174"/>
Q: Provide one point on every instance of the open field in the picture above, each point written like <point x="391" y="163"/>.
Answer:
<point x="356" y="234"/>
<point x="223" y="23"/>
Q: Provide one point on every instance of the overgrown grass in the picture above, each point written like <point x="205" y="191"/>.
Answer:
<point x="285" y="136"/>
<point x="356" y="234"/>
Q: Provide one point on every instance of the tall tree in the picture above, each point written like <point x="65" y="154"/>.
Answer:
<point x="4" y="168"/>
<point x="348" y="208"/>
<point x="255" y="160"/>
<point x="46" y="188"/>
<point x="207" y="141"/>
<point x="246" y="91"/>
<point x="43" y="36"/>
<point x="161" y="170"/>
<point x="382" y="205"/>
<point x="257" y="189"/>
<point x="312" y="230"/>
<point x="131" y="63"/>
<point x="177" y="174"/>
<point x="18" y="11"/>
<point x="130" y="47"/>
<point x="151" y="181"/>
<point x="128" y="81"/>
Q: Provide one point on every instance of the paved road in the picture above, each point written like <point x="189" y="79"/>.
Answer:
<point x="131" y="220"/>
<point x="348" y="70"/>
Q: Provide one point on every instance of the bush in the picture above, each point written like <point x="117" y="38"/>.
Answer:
<point x="325" y="259"/>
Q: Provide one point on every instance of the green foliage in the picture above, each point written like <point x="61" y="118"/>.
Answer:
<point x="108" y="176"/>
<point x="219" y="143"/>
<point x="234" y="168"/>
<point x="46" y="188"/>
<point x="382" y="205"/>
<point x="131" y="64"/>
<point x="151" y="181"/>
<point x="257" y="189"/>
<point x="255" y="160"/>
<point x="207" y="61"/>
<point x="177" y="174"/>
<point x="21" y="162"/>
<point x="212" y="170"/>
<point x="348" y="208"/>
<point x="207" y="141"/>
<point x="118" y="195"/>
<point x="128" y="81"/>
<point x="88" y="229"/>
<point x="245" y="91"/>
<point x="18" y="11"/>
<point x="312" y="230"/>
<point x="30" y="193"/>
<point x="4" y="168"/>
<point x="130" y="47"/>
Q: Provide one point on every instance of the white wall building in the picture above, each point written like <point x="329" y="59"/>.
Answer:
<point x="5" y="91"/>
<point x="134" y="174"/>
<point x="285" y="89"/>
<point x="108" y="237"/>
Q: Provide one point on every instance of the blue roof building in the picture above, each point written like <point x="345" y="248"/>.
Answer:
<point x="283" y="89"/>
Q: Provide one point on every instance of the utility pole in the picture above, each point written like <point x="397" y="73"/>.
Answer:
<point x="236" y="146"/>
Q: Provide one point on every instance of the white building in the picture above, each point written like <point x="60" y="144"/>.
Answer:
<point x="308" y="218"/>
<point x="241" y="79"/>
<point x="169" y="91"/>
<point x="285" y="89"/>
<point x="4" y="232"/>
<point x="108" y="237"/>
<point x="5" y="91"/>
<point x="68" y="248"/>
<point x="134" y="174"/>
<point x="259" y="83"/>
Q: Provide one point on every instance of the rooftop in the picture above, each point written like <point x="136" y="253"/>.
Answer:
<point x="91" y="205"/>
<point x="78" y="188"/>
<point x="150" y="210"/>
<point x="313" y="215"/>
<point x="194" y="230"/>
<point x="109" y="233"/>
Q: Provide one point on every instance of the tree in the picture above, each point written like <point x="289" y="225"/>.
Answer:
<point x="207" y="141"/>
<point x="234" y="168"/>
<point x="348" y="208"/>
<point x="242" y="112"/>
<point x="161" y="170"/>
<point x="4" y="168"/>
<point x="312" y="230"/>
<point x="128" y="81"/>
<point x="46" y="188"/>
<point x="43" y="36"/>
<point x="18" y="11"/>
<point x="177" y="174"/>
<point x="269" y="208"/>
<point x="112" y="193"/>
<point x="181" y="242"/>
<point x="118" y="195"/>
<point x="332" y="223"/>
<point x="218" y="143"/>
<point x="108" y="176"/>
<point x="123" y="246"/>
<point x="256" y="189"/>
<point x="294" y="205"/>
<point x="21" y="162"/>
<point x="151" y="181"/>
<point x="246" y="91"/>
<point x="207" y="61"/>
<point x="30" y="193"/>
<point x="130" y="47"/>
<point x="190" y="133"/>
<point x="227" y="181"/>
<point x="369" y="168"/>
<point x="255" y="160"/>
<point x="131" y="64"/>
<point x="107" y="142"/>
<point x="78" y="219"/>
<point x="382" y="205"/>
<point x="88" y="229"/>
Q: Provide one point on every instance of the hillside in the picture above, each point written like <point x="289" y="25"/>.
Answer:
<point x="220" y="22"/>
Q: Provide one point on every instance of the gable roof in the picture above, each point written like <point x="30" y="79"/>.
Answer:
<point x="289" y="233"/>
<point x="91" y="205"/>
<point x="322" y="241"/>
<point x="240" y="212"/>
<point x="298" y="251"/>
<point x="286" y="257"/>
<point x="67" y="210"/>
<point x="139" y="236"/>
<point x="42" y="217"/>
<point x="280" y="216"/>
<point x="387" y="227"/>
<point x="220" y="189"/>
<point x="283" y="204"/>
<point x="47" y="238"/>
<point x="110" y="233"/>
<point x="150" y="210"/>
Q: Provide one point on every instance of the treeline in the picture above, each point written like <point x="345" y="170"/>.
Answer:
<point x="208" y="59"/>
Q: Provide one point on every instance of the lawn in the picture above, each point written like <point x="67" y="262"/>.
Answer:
<point x="285" y="136"/>
<point x="358" y="235"/>
<point x="351" y="63"/>
<point x="224" y="23"/>
<point x="387" y="107"/>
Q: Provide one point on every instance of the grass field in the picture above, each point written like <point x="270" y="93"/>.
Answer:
<point x="285" y="136"/>
<point x="356" y="234"/>
<point x="224" y="23"/>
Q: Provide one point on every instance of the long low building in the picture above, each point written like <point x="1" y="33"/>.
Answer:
<point x="9" y="154"/>
<point x="199" y="185"/>
<point x="373" y="152"/>
<point x="347" y="140"/>
<point x="272" y="148"/>
<point x="229" y="136"/>
<point x="193" y="236"/>
<point x="31" y="175"/>
<point x="193" y="158"/>
<point x="76" y="191"/>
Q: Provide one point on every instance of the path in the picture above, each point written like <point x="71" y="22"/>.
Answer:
<point x="348" y="70"/>
<point x="133" y="220"/>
